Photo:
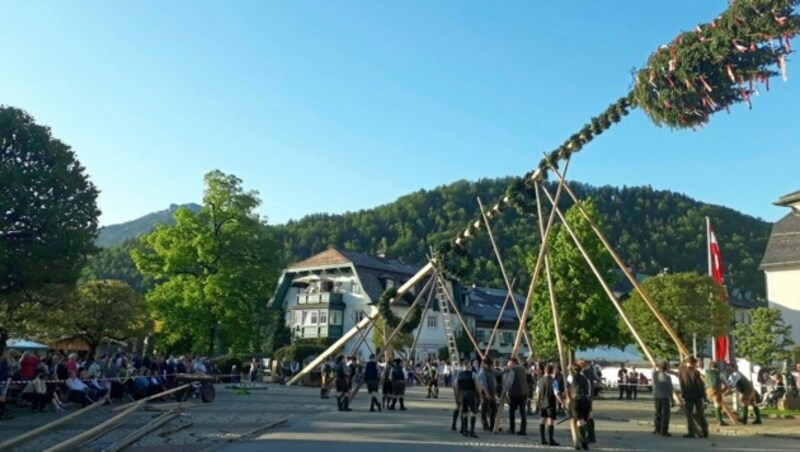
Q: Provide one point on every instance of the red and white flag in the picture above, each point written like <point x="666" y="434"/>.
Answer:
<point x="722" y="349"/>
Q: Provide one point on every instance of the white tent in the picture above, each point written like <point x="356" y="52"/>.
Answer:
<point x="627" y="355"/>
<point x="24" y="344"/>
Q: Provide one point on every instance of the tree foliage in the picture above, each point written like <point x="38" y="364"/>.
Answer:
<point x="401" y="341"/>
<point x="117" y="263"/>
<point x="651" y="229"/>
<point x="48" y="214"/>
<point x="214" y="269"/>
<point x="690" y="302"/>
<point x="99" y="310"/>
<point x="587" y="317"/>
<point x="766" y="339"/>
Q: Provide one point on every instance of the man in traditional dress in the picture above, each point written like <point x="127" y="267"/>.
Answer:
<point x="431" y="371"/>
<point x="715" y="390"/>
<point x="386" y="378"/>
<point x="662" y="396"/>
<point x="487" y="389"/>
<point x="589" y="373"/>
<point x="547" y="403"/>
<point x="342" y="384"/>
<point x="745" y="387"/>
<point x="622" y="379"/>
<point x="373" y="378"/>
<point x="517" y="395"/>
<point x="468" y="396"/>
<point x="693" y="393"/>
<point x="580" y="391"/>
<point x="398" y="376"/>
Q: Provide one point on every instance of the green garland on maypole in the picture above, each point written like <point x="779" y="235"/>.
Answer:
<point x="699" y="73"/>
<point x="391" y="320"/>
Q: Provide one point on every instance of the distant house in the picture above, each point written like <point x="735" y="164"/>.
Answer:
<point x="325" y="295"/>
<point x="781" y="264"/>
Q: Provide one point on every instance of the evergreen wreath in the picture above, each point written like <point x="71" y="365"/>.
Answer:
<point x="699" y="73"/>
<point x="391" y="320"/>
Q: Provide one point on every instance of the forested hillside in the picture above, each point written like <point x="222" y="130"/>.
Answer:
<point x="118" y="233"/>
<point x="651" y="229"/>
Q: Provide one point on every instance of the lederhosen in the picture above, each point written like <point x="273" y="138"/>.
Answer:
<point x="371" y="376"/>
<point x="580" y="403"/>
<point x="466" y="391"/>
<point x="398" y="381"/>
<point x="387" y="381"/>
<point x="589" y="374"/>
<point x="547" y="398"/>
<point x="342" y="379"/>
<point x="433" y="376"/>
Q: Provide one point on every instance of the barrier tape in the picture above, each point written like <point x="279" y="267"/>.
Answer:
<point x="121" y="379"/>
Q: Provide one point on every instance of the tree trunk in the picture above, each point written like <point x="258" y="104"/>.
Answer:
<point x="211" y="341"/>
<point x="3" y="339"/>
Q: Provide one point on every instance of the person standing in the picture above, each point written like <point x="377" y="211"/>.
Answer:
<point x="633" y="383"/>
<point x="622" y="377"/>
<point x="745" y="387"/>
<point x="447" y="373"/>
<point x="398" y="376"/>
<point x="588" y="372"/>
<point x="468" y="396"/>
<point x="580" y="391"/>
<point x="548" y="398"/>
<point x="372" y="378"/>
<point x="432" y="374"/>
<point x="487" y="385"/>
<point x="517" y="395"/>
<point x="715" y="390"/>
<point x="693" y="393"/>
<point x="342" y="384"/>
<point x="662" y="396"/>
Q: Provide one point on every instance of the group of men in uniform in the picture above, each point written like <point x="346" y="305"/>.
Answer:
<point x="348" y="374"/>
<point x="486" y="384"/>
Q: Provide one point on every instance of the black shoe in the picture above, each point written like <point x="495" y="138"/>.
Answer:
<point x="522" y="433"/>
<point x="553" y="443"/>
<point x="757" y="422"/>
<point x="723" y="424"/>
<point x="666" y="434"/>
<point x="688" y="435"/>
<point x="585" y="446"/>
<point x="372" y="409"/>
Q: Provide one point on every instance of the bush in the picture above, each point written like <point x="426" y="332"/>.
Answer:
<point x="225" y="363"/>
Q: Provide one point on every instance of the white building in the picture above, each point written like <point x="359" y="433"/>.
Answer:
<point x="781" y="264"/>
<point x="328" y="293"/>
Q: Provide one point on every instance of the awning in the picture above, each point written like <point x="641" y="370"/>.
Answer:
<point x="24" y="344"/>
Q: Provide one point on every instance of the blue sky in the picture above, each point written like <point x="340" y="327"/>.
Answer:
<point x="334" y="106"/>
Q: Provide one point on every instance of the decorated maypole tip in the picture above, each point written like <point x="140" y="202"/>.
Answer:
<point x="697" y="74"/>
<point x="718" y="64"/>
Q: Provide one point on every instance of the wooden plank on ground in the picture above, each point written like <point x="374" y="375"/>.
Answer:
<point x="152" y="397"/>
<point x="95" y="431"/>
<point x="47" y="427"/>
<point x="126" y="441"/>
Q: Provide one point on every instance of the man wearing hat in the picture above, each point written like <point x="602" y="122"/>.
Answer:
<point x="693" y="393"/>
<point x="398" y="376"/>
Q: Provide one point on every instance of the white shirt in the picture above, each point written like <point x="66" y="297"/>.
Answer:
<point x="76" y="385"/>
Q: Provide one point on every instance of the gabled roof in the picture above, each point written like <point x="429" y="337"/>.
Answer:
<point x="789" y="199"/>
<point x="485" y="305"/>
<point x="372" y="271"/>
<point x="783" y="248"/>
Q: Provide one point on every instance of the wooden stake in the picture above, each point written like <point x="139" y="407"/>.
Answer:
<point x="499" y="318"/>
<point x="8" y="444"/>
<point x="141" y="432"/>
<point x="600" y="279"/>
<point x="353" y="331"/>
<point x="509" y="284"/>
<point x="152" y="397"/>
<point x="421" y="322"/>
<point x="536" y="271"/>
<point x="428" y="285"/>
<point x="97" y="430"/>
<point x="554" y="309"/>
<point x="664" y="323"/>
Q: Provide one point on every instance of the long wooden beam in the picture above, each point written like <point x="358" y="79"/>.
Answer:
<point x="461" y="319"/>
<point x="9" y="443"/>
<point x="599" y="277"/>
<point x="509" y="283"/>
<point x="499" y="318"/>
<point x="423" y="272"/>
<point x="404" y="319"/>
<point x="648" y="301"/>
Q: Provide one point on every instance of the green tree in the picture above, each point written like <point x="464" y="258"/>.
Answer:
<point x="587" y="317"/>
<point x="400" y="341"/>
<point x="99" y="310"/>
<point x="117" y="263"/>
<point x="215" y="270"/>
<point x="48" y="216"/>
<point x="766" y="339"/>
<point x="690" y="302"/>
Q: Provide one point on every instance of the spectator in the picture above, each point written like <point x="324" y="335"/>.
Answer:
<point x="72" y="365"/>
<point x="198" y="367"/>
<point x="253" y="370"/>
<point x="28" y="364"/>
<point x="141" y="384"/>
<point x="5" y="379"/>
<point x="78" y="391"/>
<point x="35" y="392"/>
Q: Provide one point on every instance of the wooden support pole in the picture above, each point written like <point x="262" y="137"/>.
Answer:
<point x="421" y="322"/>
<point x="38" y="431"/>
<point x="554" y="309"/>
<point x="461" y="319"/>
<point x="353" y="331"/>
<point x="499" y="318"/>
<point x="95" y="431"/>
<point x="363" y="333"/>
<point x="509" y="284"/>
<point x="143" y="431"/>
<point x="396" y="331"/>
<point x="152" y="397"/>
<point x="537" y="269"/>
<point x="600" y="279"/>
<point x="650" y="304"/>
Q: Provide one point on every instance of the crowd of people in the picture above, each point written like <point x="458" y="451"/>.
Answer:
<point x="60" y="379"/>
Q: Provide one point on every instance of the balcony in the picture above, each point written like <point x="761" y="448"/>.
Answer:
<point x="320" y="298"/>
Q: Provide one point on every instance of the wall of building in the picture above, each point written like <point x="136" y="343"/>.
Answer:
<point x="783" y="292"/>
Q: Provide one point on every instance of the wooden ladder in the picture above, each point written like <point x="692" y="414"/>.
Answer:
<point x="444" y="306"/>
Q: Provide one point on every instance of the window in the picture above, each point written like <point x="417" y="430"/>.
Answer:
<point x="355" y="288"/>
<point x="389" y="282"/>
<point x="480" y="335"/>
<point x="360" y="315"/>
<point x="323" y="317"/>
<point x="305" y="317"/>
<point x="313" y="317"/>
<point x="508" y="337"/>
<point x="432" y="322"/>
<point x="336" y="318"/>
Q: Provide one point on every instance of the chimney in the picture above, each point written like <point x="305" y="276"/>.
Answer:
<point x="381" y="254"/>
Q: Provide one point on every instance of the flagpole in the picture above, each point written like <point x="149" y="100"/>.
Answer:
<point x="710" y="273"/>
